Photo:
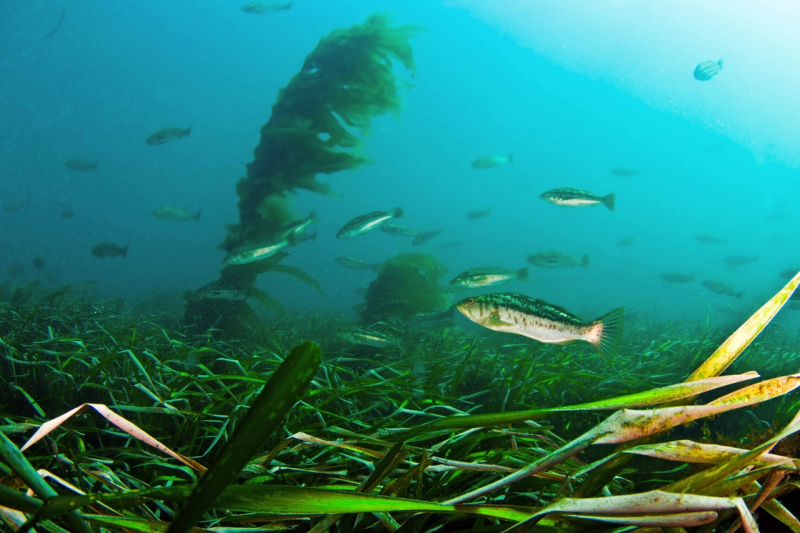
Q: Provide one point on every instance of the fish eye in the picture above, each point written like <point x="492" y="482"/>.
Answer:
<point x="471" y="301"/>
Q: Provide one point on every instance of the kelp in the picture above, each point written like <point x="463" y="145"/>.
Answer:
<point x="345" y="82"/>
<point x="384" y="444"/>
<point x="407" y="284"/>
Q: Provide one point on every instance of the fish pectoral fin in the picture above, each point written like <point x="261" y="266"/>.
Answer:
<point x="495" y="320"/>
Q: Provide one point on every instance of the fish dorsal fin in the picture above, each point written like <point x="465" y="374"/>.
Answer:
<point x="495" y="320"/>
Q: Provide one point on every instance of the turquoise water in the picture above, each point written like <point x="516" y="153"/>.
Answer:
<point x="570" y="90"/>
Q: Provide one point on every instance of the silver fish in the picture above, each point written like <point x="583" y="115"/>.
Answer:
<point x="369" y="337"/>
<point x="487" y="277"/>
<point x="256" y="253"/>
<point x="356" y="264"/>
<point x="166" y="135"/>
<point x="577" y="198"/>
<point x="553" y="259"/>
<point x="175" y="213"/>
<point x="364" y="223"/>
<point x="489" y="161"/>
<point x="397" y="229"/>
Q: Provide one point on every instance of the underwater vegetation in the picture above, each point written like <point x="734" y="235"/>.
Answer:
<point x="452" y="433"/>
<point x="346" y="81"/>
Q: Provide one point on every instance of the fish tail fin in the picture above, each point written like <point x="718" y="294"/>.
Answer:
<point x="313" y="236"/>
<point x="510" y="158"/>
<point x="196" y="216"/>
<point x="585" y="261"/>
<point x="739" y="295"/>
<point x="313" y="218"/>
<point x="609" y="201"/>
<point x="522" y="274"/>
<point x="124" y="251"/>
<point x="187" y="131"/>
<point x="607" y="332"/>
<point x="720" y="63"/>
<point x="397" y="212"/>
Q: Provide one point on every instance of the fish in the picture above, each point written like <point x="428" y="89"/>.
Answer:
<point x="303" y="237"/>
<point x="109" y="249"/>
<point x="366" y="336"/>
<point x="424" y="236"/>
<point x="38" y="263"/>
<point x="707" y="70"/>
<point x="627" y="241"/>
<point x="489" y="161"/>
<point x="720" y="288"/>
<point x="214" y="293"/>
<point x="67" y="213"/>
<point x="735" y="261"/>
<point x="710" y="239"/>
<point x="396" y="229"/>
<point x="536" y="319"/>
<point x="677" y="277"/>
<point x="576" y="198"/>
<point x="252" y="254"/>
<point x="789" y="273"/>
<point x="481" y="213"/>
<point x="299" y="226"/>
<point x="166" y="135"/>
<point x="553" y="259"/>
<point x="16" y="206"/>
<point x="624" y="172"/>
<point x="370" y="221"/>
<point x="15" y="270"/>
<point x="259" y="8"/>
<point x="80" y="165"/>
<point x="175" y="213"/>
<point x="487" y="277"/>
<point x="356" y="264"/>
<point x="431" y="320"/>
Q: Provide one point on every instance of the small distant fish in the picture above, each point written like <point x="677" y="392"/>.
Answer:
<point x="431" y="320"/>
<point x="369" y="337"/>
<point x="16" y="206"/>
<point x="707" y="70"/>
<point x="15" y="270"/>
<point x="449" y="245"/>
<point x="255" y="253"/>
<point x="577" y="198"/>
<point x="481" y="213"/>
<point x="487" y="277"/>
<point x="38" y="263"/>
<point x="166" y="135"/>
<point x="364" y="223"/>
<point x="109" y="249"/>
<point x="553" y="259"/>
<point x="303" y="237"/>
<point x="67" y="213"/>
<point x="396" y="229"/>
<point x="735" y="261"/>
<point x="489" y="161"/>
<point x="627" y="241"/>
<point x="721" y="288"/>
<point x="624" y="172"/>
<point x="357" y="264"/>
<point x="81" y="165"/>
<point x="175" y="213"/>
<point x="710" y="239"/>
<point x="299" y="226"/>
<point x="544" y="322"/>
<point x="212" y="293"/>
<point x="259" y="8"/>
<point x="789" y="273"/>
<point x="677" y="277"/>
<point x="424" y="236"/>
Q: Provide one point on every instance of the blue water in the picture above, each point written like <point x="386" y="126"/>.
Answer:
<point x="532" y="80"/>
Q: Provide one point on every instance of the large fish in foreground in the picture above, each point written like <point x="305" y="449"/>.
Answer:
<point x="569" y="197"/>
<point x="522" y="315"/>
<point x="367" y="222"/>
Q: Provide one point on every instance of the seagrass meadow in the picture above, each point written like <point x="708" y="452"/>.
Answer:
<point x="114" y="420"/>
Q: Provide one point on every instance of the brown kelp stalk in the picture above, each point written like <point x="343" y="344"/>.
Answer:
<point x="345" y="82"/>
